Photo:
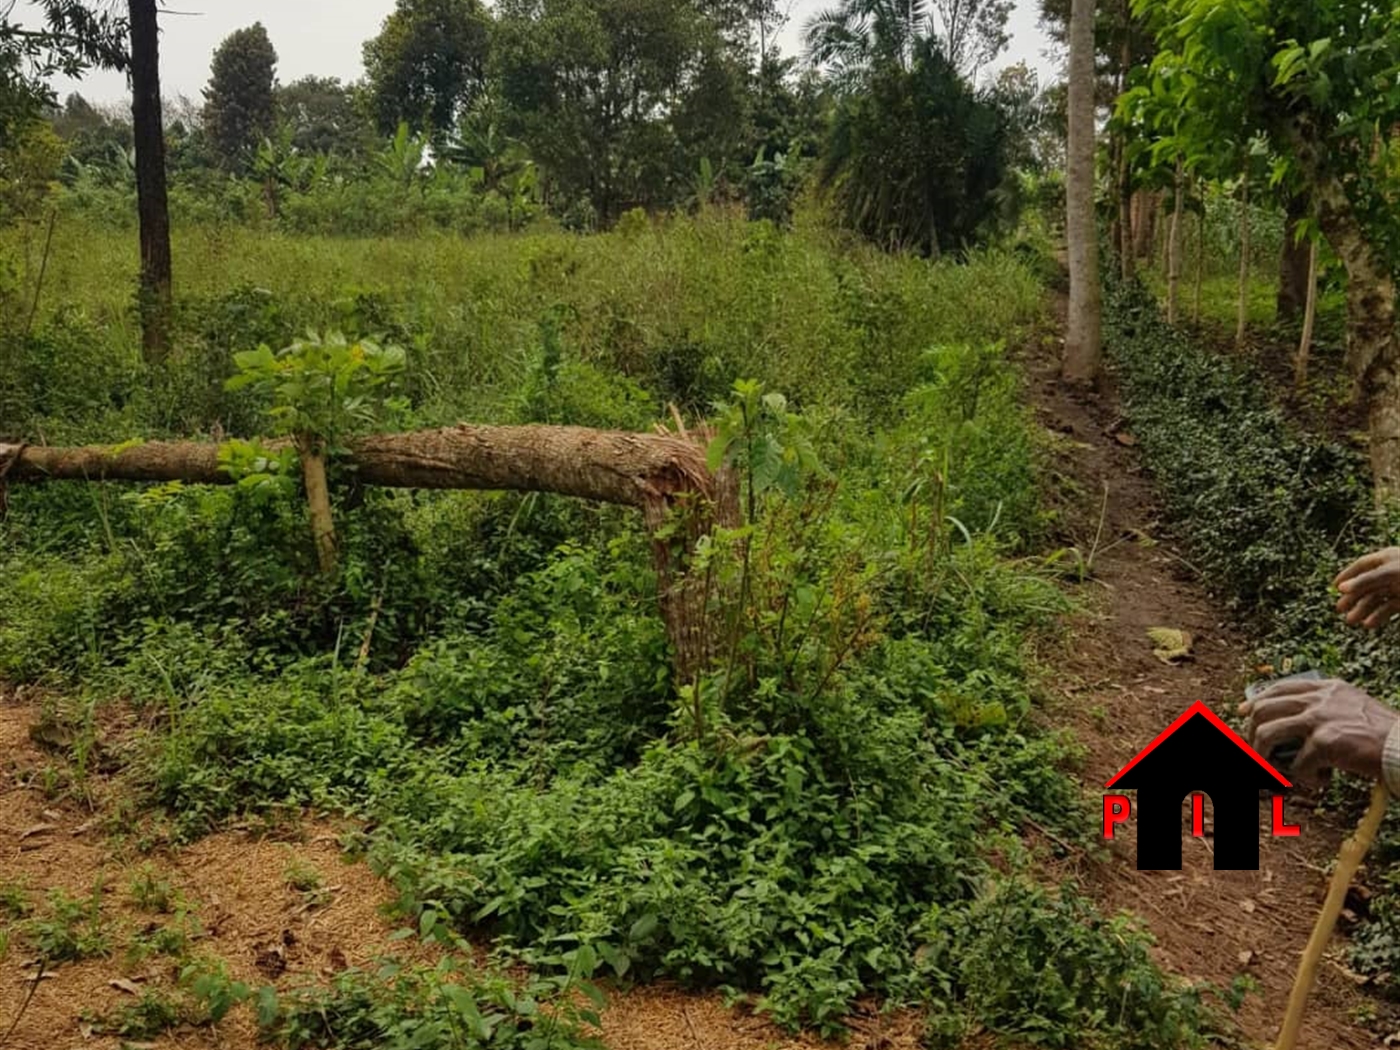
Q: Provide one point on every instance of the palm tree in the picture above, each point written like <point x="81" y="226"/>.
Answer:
<point x="858" y="35"/>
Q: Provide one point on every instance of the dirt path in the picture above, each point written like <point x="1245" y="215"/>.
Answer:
<point x="1117" y="696"/>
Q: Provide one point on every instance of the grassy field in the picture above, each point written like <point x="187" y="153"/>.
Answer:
<point x="834" y="809"/>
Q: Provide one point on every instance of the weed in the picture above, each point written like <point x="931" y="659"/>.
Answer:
<point x="152" y="893"/>
<point x="14" y="900"/>
<point x="157" y="1011"/>
<point x="70" y="928"/>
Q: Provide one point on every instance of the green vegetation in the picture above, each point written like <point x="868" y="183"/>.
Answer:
<point x="811" y="821"/>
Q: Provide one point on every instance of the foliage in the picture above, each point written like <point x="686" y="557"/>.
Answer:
<point x="239" y="101"/>
<point x="829" y="813"/>
<point x="400" y="1008"/>
<point x="325" y="117"/>
<point x="609" y="145"/>
<point x="427" y="63"/>
<point x="322" y="384"/>
<point x="914" y="161"/>
<point x="74" y="38"/>
<point x="69" y="929"/>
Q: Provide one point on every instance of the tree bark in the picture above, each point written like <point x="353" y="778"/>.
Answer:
<point x="1293" y="263"/>
<point x="1200" y="262"/>
<point x="1127" y="261"/>
<point x="1083" y="333"/>
<point x="1373" y="352"/>
<point x="311" y="451"/>
<point x="1242" y="309"/>
<point x="153" y="210"/>
<point x="665" y="476"/>
<point x="1125" y="181"/>
<point x="1300" y="363"/>
<point x="1174" y="248"/>
<point x="1144" y="223"/>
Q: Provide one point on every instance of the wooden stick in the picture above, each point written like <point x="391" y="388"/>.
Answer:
<point x="1353" y="851"/>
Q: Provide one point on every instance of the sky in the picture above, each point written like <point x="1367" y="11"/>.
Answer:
<point x="324" y="37"/>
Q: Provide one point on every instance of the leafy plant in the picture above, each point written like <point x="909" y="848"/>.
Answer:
<point x="70" y="928"/>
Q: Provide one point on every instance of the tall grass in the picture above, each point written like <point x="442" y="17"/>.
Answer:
<point x="683" y="306"/>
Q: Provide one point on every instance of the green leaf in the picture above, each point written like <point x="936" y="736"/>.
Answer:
<point x="643" y="927"/>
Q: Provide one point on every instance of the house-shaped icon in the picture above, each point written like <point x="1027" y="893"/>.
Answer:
<point x="1198" y="752"/>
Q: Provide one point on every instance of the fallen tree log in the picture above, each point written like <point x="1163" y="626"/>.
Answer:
<point x="606" y="465"/>
<point x="661" y="474"/>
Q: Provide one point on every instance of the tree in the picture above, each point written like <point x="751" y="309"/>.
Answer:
<point x="914" y="160"/>
<point x="427" y="63"/>
<point x="153" y="210"/>
<point x="1082" y="336"/>
<point x="595" y="85"/>
<point x="858" y="36"/>
<point x="973" y="31"/>
<point x="324" y="116"/>
<point x="1294" y="260"/>
<point x="1305" y="76"/>
<point x="74" y="38"/>
<point x="238" y="103"/>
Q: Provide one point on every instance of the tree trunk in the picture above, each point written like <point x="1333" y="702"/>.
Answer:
<point x="1293" y="263"/>
<point x="1083" y="334"/>
<point x="152" y="208"/>
<point x="1200" y="262"/>
<point x="311" y="451"/>
<point x="1373" y="352"/>
<point x="1174" y="248"/>
<point x="662" y="475"/>
<point x="1300" y="363"/>
<point x="1125" y="215"/>
<point x="1144" y="223"/>
<point x="1242" y="312"/>
<point x="1125" y="180"/>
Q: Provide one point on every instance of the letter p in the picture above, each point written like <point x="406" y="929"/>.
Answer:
<point x="1116" y="809"/>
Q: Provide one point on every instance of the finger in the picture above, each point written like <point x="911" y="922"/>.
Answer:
<point x="1271" y="710"/>
<point x="1365" y="606"/>
<point x="1310" y="762"/>
<point x="1382" y="616"/>
<point x="1270" y="735"/>
<point x="1298" y="686"/>
<point x="1381" y="578"/>
<point x="1362" y="565"/>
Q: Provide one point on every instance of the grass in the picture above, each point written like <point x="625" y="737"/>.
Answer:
<point x="832" y="810"/>
<point x="682" y="306"/>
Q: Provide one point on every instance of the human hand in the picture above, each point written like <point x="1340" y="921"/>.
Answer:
<point x="1370" y="589"/>
<point x="1338" y="726"/>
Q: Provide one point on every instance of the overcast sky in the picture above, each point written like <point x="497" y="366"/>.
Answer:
<point x="324" y="37"/>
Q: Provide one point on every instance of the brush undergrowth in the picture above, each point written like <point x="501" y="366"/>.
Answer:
<point x="835" y="809"/>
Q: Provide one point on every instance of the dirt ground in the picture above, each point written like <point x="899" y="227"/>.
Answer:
<point x="1107" y="684"/>
<point x="281" y="905"/>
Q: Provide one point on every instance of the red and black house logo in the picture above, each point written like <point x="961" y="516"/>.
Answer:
<point x="1199" y="755"/>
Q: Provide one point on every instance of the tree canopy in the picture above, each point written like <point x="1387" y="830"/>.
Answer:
<point x="238" y="103"/>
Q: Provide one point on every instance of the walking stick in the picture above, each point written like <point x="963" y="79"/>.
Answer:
<point x="1353" y="851"/>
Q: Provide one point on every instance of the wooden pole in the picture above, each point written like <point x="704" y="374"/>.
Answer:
<point x="1353" y="851"/>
